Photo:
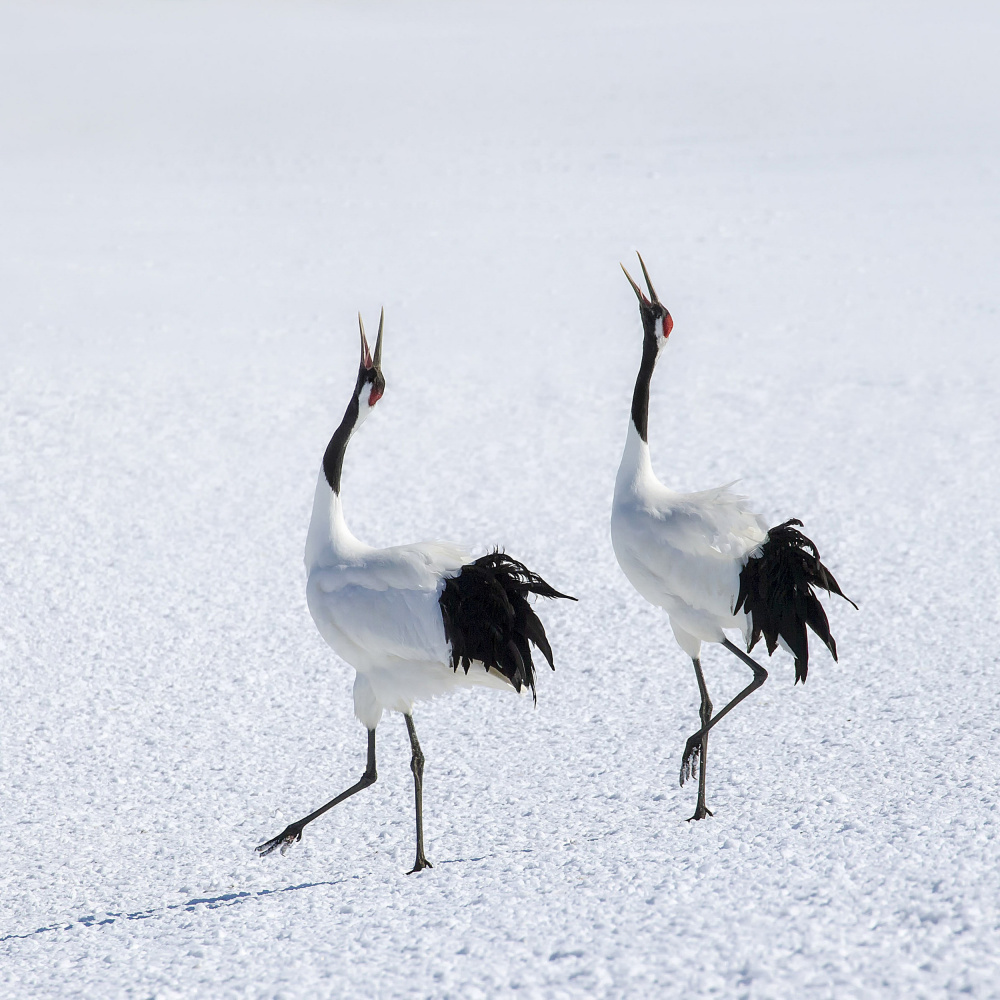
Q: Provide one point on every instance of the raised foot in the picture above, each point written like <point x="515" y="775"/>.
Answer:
<point x="691" y="760"/>
<point x="700" y="813"/>
<point x="419" y="865"/>
<point x="290" y="835"/>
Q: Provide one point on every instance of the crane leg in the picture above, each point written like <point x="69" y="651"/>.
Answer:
<point x="689" y="762"/>
<point x="293" y="832"/>
<point x="701" y="810"/>
<point x="417" y="767"/>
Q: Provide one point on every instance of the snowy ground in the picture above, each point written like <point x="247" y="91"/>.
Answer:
<point x="194" y="201"/>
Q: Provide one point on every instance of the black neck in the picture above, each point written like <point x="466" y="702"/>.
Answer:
<point x="640" y="396"/>
<point x="333" y="459"/>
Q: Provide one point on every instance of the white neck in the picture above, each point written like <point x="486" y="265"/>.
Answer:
<point x="329" y="541"/>
<point x="635" y="469"/>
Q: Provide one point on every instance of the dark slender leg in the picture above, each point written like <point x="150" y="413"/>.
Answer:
<point x="417" y="767"/>
<point x="689" y="762"/>
<point x="293" y="832"/>
<point x="701" y="810"/>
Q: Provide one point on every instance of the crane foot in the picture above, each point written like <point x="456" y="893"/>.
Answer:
<point x="290" y="835"/>
<point x="691" y="760"/>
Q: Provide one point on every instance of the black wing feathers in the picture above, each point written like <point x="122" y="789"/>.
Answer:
<point x="487" y="617"/>
<point x="776" y="590"/>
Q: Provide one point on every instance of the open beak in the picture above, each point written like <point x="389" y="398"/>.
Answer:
<point x="370" y="363"/>
<point x="366" y="356"/>
<point x="654" y="299"/>
<point x="367" y="360"/>
<point x="640" y="294"/>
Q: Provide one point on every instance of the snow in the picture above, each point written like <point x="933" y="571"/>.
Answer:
<point x="197" y="199"/>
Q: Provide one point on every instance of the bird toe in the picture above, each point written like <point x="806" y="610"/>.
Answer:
<point x="284" y="840"/>
<point x="691" y="759"/>
<point x="700" y="813"/>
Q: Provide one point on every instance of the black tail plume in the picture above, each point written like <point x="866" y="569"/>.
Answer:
<point x="776" y="590"/>
<point x="487" y="617"/>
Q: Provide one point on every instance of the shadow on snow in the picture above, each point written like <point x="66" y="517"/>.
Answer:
<point x="191" y="906"/>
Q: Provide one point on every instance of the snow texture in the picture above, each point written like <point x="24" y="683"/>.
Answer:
<point x="196" y="198"/>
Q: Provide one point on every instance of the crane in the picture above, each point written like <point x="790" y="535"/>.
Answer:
<point x="406" y="618"/>
<point x="709" y="561"/>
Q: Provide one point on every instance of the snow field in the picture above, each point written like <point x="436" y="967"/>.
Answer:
<point x="197" y="200"/>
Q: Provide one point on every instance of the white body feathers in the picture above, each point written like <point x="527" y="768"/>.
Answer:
<point x="378" y="609"/>
<point x="682" y="551"/>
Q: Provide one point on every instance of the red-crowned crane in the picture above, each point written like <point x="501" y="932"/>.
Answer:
<point x="407" y="617"/>
<point x="708" y="560"/>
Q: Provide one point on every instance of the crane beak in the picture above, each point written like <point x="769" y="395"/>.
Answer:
<point x="378" y="343"/>
<point x="640" y="295"/>
<point x="645" y="274"/>
<point x="654" y="299"/>
<point x="370" y="364"/>
<point x="366" y="357"/>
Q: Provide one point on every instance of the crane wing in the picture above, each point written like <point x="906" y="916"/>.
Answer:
<point x="405" y="567"/>
<point x="687" y="547"/>
<point x="370" y="628"/>
<point x="385" y="605"/>
<point x="714" y="522"/>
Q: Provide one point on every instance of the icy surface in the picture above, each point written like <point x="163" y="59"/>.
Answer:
<point x="196" y="198"/>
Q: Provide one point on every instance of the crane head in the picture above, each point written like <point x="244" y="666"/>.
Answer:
<point x="370" y="370"/>
<point x="656" y="319"/>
